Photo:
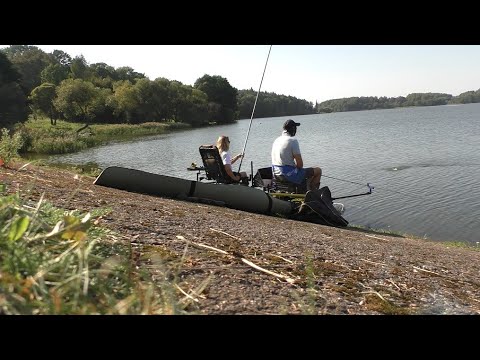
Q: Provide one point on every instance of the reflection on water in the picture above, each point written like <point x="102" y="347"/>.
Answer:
<point x="424" y="163"/>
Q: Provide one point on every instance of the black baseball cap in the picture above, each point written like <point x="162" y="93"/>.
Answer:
<point x="289" y="124"/>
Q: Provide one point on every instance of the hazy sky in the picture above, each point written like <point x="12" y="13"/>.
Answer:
<point x="310" y="72"/>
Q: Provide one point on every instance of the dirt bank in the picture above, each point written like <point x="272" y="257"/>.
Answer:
<point x="313" y="269"/>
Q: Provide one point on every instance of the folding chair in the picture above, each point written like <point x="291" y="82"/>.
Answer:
<point x="213" y="165"/>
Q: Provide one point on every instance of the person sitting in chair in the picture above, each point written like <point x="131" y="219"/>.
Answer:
<point x="287" y="160"/>
<point x="223" y="145"/>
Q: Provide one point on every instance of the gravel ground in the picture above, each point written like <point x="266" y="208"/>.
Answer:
<point x="244" y="263"/>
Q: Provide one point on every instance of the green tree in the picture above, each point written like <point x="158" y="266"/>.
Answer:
<point x="8" y="73"/>
<point x="127" y="73"/>
<point x="54" y="74"/>
<point x="151" y="101"/>
<point x="194" y="109"/>
<point x="13" y="103"/>
<point x="78" y="100"/>
<point x="102" y="75"/>
<point x="101" y="110"/>
<point x="427" y="99"/>
<point x="221" y="93"/>
<point x="246" y="100"/>
<point x="9" y="146"/>
<point x="62" y="58"/>
<point x="30" y="62"/>
<point x="167" y="97"/>
<point x="102" y="70"/>
<point x="271" y="104"/>
<point x="124" y="101"/>
<point x="189" y="104"/>
<point x="79" y="68"/>
<point x="42" y="98"/>
<point x="467" y="97"/>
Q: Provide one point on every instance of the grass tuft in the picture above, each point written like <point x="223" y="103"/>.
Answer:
<point x="58" y="262"/>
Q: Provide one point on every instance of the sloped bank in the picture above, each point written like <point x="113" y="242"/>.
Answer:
<point x="244" y="263"/>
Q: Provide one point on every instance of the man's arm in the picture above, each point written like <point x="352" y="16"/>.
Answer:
<point x="297" y="156"/>
<point x="298" y="160"/>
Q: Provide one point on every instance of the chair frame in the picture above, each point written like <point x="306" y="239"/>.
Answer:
<point x="270" y="183"/>
<point x="213" y="165"/>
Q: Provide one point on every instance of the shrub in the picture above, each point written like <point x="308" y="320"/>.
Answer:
<point x="9" y="146"/>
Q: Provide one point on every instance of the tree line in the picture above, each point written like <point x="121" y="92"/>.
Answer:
<point x="57" y="86"/>
<point x="414" y="99"/>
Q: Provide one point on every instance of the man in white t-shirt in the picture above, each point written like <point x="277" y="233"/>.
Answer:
<point x="287" y="160"/>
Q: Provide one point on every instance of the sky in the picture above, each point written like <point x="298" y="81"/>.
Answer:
<point x="310" y="72"/>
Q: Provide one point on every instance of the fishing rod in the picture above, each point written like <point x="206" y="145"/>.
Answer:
<point x="370" y="188"/>
<point x="302" y="196"/>
<point x="253" y="111"/>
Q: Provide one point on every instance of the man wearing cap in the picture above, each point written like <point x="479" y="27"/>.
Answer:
<point x="287" y="159"/>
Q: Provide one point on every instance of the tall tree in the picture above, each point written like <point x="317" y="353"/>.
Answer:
<point x="124" y="101"/>
<point x="78" y="100"/>
<point x="193" y="109"/>
<point x="30" y="62"/>
<point x="62" y="58"/>
<point x="102" y="70"/>
<point x="79" y="68"/>
<point x="13" y="102"/>
<point x="42" y="98"/>
<point x="127" y="73"/>
<point x="151" y="100"/>
<point x="219" y="91"/>
<point x="54" y="74"/>
<point x="8" y="73"/>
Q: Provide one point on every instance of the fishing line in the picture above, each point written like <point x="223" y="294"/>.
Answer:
<point x="401" y="193"/>
<point x="351" y="182"/>
<point x="376" y="187"/>
<point x="253" y="111"/>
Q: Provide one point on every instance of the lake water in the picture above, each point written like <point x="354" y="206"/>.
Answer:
<point x="423" y="161"/>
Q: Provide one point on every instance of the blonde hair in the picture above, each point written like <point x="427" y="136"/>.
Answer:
<point x="223" y="143"/>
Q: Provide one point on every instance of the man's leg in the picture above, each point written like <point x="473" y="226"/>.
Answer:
<point x="312" y="178"/>
<point x="315" y="179"/>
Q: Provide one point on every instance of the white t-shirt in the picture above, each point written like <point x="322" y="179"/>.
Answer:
<point x="283" y="149"/>
<point x="226" y="158"/>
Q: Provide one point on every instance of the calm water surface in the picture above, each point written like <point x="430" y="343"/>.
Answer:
<point x="423" y="161"/>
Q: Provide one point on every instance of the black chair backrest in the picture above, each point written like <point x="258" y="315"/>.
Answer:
<point x="213" y="164"/>
<point x="263" y="178"/>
